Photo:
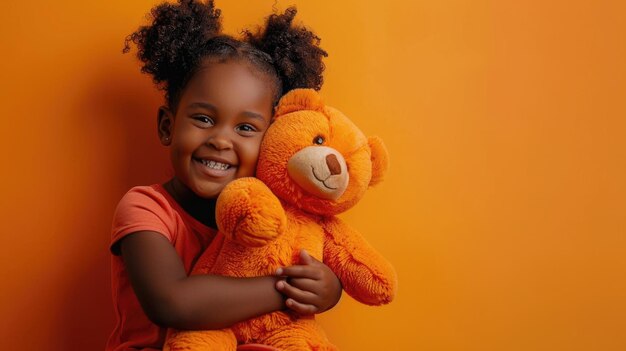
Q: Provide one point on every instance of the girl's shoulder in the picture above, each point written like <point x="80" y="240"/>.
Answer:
<point x="146" y="194"/>
<point x="146" y="200"/>
<point x="143" y="208"/>
<point x="153" y="203"/>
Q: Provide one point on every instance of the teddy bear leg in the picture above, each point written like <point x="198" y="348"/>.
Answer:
<point x="302" y="335"/>
<point x="201" y="340"/>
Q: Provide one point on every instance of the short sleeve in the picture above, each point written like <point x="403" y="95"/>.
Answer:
<point x="142" y="209"/>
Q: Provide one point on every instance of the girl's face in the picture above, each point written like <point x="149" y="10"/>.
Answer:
<point x="216" y="132"/>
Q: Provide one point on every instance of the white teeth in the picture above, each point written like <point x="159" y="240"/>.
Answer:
<point x="215" y="165"/>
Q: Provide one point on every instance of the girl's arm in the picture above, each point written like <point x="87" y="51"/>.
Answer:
<point x="170" y="298"/>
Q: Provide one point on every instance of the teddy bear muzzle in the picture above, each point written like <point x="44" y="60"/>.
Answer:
<point x="319" y="170"/>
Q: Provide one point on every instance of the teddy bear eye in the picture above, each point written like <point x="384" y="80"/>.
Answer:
<point x="319" y="140"/>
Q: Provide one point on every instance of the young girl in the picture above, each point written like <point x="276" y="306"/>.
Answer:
<point x="220" y="93"/>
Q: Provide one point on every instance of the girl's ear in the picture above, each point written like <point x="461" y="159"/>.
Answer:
<point x="165" y="122"/>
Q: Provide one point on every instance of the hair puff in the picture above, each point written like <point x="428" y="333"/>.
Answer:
<point x="294" y="49"/>
<point x="171" y="46"/>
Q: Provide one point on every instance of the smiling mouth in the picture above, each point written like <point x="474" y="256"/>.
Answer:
<point x="323" y="181"/>
<point x="214" y="164"/>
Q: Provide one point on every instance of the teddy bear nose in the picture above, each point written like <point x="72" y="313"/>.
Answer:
<point x="333" y="164"/>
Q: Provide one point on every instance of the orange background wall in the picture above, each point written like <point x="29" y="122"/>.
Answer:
<point x="504" y="211"/>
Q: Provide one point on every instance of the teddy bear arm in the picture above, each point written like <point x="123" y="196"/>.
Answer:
<point x="364" y="273"/>
<point x="249" y="213"/>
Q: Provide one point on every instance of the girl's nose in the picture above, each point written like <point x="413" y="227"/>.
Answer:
<point x="220" y="141"/>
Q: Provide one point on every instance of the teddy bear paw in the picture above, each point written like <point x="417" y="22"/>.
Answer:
<point x="249" y="213"/>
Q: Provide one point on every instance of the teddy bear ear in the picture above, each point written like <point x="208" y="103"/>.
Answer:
<point x="380" y="159"/>
<point x="299" y="99"/>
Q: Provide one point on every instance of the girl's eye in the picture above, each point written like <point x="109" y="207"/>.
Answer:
<point x="246" y="128"/>
<point x="203" y="119"/>
<point x="319" y="140"/>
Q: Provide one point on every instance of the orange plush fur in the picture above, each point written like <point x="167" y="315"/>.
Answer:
<point x="314" y="163"/>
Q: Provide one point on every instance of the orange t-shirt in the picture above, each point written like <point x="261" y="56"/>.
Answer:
<point x="148" y="208"/>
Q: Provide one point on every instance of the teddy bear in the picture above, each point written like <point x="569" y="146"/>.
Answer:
<point x="314" y="163"/>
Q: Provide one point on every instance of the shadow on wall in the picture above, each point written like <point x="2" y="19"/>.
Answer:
<point x="117" y="114"/>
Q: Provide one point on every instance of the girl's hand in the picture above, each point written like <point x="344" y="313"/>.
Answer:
<point x="310" y="287"/>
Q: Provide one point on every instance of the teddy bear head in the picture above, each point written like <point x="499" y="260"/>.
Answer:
<point x="313" y="157"/>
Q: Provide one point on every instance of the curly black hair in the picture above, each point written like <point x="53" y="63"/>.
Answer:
<point x="184" y="34"/>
